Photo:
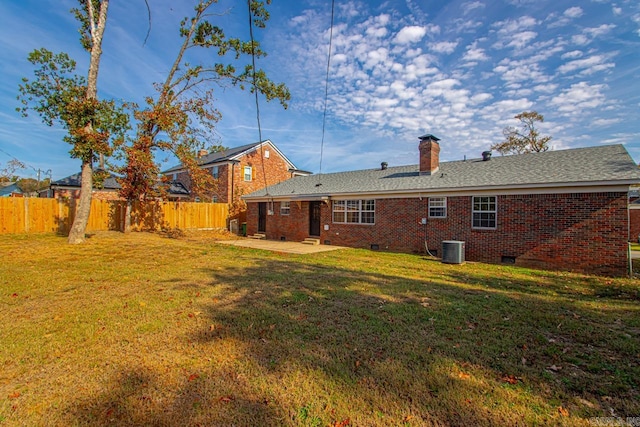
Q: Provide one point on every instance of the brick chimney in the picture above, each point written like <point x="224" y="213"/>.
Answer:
<point x="429" y="154"/>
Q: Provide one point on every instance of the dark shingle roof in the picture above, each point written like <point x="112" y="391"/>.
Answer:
<point x="227" y="155"/>
<point x="575" y="167"/>
<point x="75" y="180"/>
<point x="175" y="188"/>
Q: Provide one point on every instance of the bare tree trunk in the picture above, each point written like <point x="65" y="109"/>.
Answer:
<point x="79" y="227"/>
<point x="127" y="217"/>
<point x="77" y="232"/>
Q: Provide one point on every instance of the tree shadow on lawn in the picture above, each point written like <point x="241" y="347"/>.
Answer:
<point x="435" y="351"/>
<point x="134" y="396"/>
<point x="317" y="344"/>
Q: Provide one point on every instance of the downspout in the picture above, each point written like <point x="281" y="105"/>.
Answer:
<point x="233" y="174"/>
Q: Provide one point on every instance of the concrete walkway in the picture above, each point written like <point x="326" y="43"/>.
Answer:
<point x="280" y="246"/>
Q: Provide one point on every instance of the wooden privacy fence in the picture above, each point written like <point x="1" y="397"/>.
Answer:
<point x="35" y="215"/>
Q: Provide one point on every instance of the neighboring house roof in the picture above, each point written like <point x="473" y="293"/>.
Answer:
<point x="602" y="165"/>
<point x="176" y="188"/>
<point x="231" y="154"/>
<point x="9" y="188"/>
<point x="75" y="181"/>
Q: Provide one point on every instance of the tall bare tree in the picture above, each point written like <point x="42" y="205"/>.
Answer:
<point x="58" y="95"/>
<point x="524" y="139"/>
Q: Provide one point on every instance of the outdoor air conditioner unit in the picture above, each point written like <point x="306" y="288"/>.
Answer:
<point x="452" y="252"/>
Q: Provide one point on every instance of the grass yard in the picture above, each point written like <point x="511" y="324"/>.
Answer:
<point x="144" y="329"/>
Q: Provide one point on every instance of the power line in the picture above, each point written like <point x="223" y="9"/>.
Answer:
<point x="255" y="91"/>
<point x="326" y="88"/>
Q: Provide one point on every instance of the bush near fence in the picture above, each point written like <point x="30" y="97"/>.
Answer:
<point x="35" y="215"/>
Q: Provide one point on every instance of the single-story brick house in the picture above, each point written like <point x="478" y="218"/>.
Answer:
<point x="565" y="209"/>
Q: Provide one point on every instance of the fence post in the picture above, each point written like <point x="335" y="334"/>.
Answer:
<point x="26" y="214"/>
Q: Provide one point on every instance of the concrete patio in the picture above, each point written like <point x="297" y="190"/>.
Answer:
<point x="280" y="246"/>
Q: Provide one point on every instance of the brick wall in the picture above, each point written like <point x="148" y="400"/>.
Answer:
<point x="582" y="232"/>
<point x="270" y="170"/>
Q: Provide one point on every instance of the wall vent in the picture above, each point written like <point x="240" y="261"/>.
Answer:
<point x="508" y="259"/>
<point x="375" y="247"/>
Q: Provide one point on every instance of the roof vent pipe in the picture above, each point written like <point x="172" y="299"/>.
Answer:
<point x="384" y="165"/>
<point x="486" y="156"/>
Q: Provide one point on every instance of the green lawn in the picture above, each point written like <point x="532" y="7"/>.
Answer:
<point x="143" y="329"/>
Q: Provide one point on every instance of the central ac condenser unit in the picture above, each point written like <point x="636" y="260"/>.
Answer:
<point x="452" y="252"/>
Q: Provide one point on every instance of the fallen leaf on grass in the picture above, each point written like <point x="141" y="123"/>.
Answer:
<point x="554" y="368"/>
<point x="14" y="295"/>
<point x="464" y="376"/>
<point x="193" y="377"/>
<point x="14" y="395"/>
<point x="225" y="399"/>
<point x="564" y="412"/>
<point x="344" y="423"/>
<point x="511" y="379"/>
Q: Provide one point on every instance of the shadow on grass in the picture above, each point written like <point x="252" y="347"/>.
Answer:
<point x="320" y="344"/>
<point x="409" y="344"/>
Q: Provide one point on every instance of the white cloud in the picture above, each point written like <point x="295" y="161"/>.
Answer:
<point x="617" y="10"/>
<point x="411" y="34"/>
<point x="580" y="39"/>
<point x="571" y="55"/>
<point x="587" y="66"/>
<point x="578" y="97"/>
<point x="443" y="47"/>
<point x="573" y="12"/>
<point x="470" y="6"/>
<point x="599" y="31"/>
<point x="474" y="54"/>
<point x="522" y="39"/>
<point x="605" y="122"/>
<point x="515" y="32"/>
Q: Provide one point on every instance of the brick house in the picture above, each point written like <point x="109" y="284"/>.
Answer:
<point x="564" y="210"/>
<point x="241" y="170"/>
<point x="69" y="187"/>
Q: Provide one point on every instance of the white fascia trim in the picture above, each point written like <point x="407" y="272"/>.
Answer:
<point x="485" y="190"/>
<point x="452" y="192"/>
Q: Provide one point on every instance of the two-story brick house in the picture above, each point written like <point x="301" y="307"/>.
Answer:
<point x="241" y="170"/>
<point x="565" y="209"/>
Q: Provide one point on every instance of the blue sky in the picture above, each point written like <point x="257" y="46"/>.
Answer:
<point x="459" y="70"/>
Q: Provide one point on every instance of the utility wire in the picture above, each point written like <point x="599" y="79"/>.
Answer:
<point x="255" y="91"/>
<point x="326" y="89"/>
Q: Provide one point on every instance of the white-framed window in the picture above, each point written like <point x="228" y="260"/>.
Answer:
<point x="266" y="154"/>
<point x="215" y="172"/>
<point x="175" y="176"/>
<point x="354" y="211"/>
<point x="484" y="211"/>
<point x="437" y="207"/>
<point x="285" y="208"/>
<point x="214" y="199"/>
<point x="248" y="173"/>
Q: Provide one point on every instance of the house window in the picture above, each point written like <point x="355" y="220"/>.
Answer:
<point x="285" y="208"/>
<point x="354" y="211"/>
<point x="437" y="207"/>
<point x="214" y="199"/>
<point x="266" y="154"/>
<point x="484" y="209"/>
<point x="175" y="176"/>
<point x="215" y="172"/>
<point x="248" y="172"/>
